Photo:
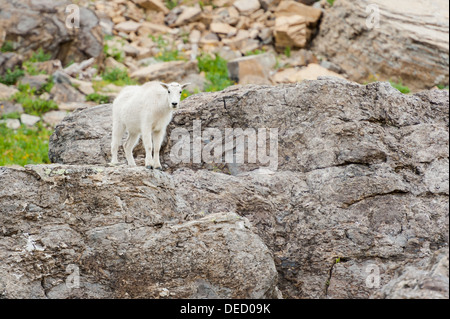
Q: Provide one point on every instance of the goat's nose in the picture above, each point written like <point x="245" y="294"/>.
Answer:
<point x="174" y="103"/>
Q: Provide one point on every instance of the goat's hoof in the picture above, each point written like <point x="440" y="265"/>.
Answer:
<point x="149" y="167"/>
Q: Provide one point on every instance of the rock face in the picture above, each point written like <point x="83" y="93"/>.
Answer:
<point x="31" y="25"/>
<point x="124" y="232"/>
<point x="360" y="189"/>
<point x="367" y="46"/>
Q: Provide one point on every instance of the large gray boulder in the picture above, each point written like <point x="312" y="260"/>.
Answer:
<point x="96" y="232"/>
<point x="359" y="194"/>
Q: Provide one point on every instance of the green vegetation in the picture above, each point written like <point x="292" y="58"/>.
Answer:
<point x="118" y="77"/>
<point x="115" y="53"/>
<point x="330" y="2"/>
<point x="442" y="87"/>
<point x="255" y="52"/>
<point x="32" y="104"/>
<point x="166" y="53"/>
<point x="8" y="46"/>
<point x="399" y="86"/>
<point x="40" y="56"/>
<point x="287" y="52"/>
<point x="11" y="77"/>
<point x="170" y="4"/>
<point x="216" y="72"/>
<point x="24" y="146"/>
<point x="98" y="98"/>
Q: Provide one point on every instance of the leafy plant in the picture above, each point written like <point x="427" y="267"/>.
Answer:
<point x="98" y="98"/>
<point x="11" y="77"/>
<point x="216" y="71"/>
<point x="8" y="46"/>
<point x="24" y="145"/>
<point x="32" y="104"/>
<point x="255" y="52"/>
<point x="166" y="53"/>
<point x="170" y="4"/>
<point x="287" y="52"/>
<point x="330" y="2"/>
<point x="118" y="77"/>
<point x="115" y="53"/>
<point x="40" y="56"/>
<point x="399" y="86"/>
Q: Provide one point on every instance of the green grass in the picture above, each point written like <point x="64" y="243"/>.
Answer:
<point x="330" y="2"/>
<point x="170" y="4"/>
<point x="32" y="104"/>
<point x="255" y="52"/>
<point x="166" y="53"/>
<point x="115" y="53"/>
<point x="399" y="86"/>
<point x="118" y="77"/>
<point x="216" y="71"/>
<point x="40" y="56"/>
<point x="24" y="146"/>
<point x="8" y="46"/>
<point x="98" y="98"/>
<point x="11" y="77"/>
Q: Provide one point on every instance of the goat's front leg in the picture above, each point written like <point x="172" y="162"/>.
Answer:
<point x="147" y="140"/>
<point x="157" y="141"/>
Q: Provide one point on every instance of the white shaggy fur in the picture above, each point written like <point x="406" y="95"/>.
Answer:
<point x="144" y="111"/>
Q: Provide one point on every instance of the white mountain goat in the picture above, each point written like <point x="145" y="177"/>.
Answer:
<point x="144" y="111"/>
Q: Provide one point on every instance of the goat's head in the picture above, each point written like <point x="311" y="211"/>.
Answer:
<point x="174" y="90"/>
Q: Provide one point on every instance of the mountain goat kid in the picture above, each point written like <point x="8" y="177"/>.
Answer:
<point x="144" y="111"/>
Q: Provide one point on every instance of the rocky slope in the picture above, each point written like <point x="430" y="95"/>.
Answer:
<point x="395" y="45"/>
<point x="361" y="190"/>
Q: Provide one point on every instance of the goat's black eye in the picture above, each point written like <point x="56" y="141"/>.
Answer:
<point x="181" y="92"/>
<point x="169" y="92"/>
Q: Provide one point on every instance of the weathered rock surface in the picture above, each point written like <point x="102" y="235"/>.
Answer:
<point x="42" y="24"/>
<point x="362" y="178"/>
<point x="124" y="232"/>
<point x="408" y="42"/>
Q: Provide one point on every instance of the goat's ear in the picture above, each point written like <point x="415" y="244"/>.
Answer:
<point x="184" y="85"/>
<point x="164" y="85"/>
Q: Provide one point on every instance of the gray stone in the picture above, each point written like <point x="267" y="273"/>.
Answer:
<point x="29" y="120"/>
<point x="87" y="220"/>
<point x="420" y="62"/>
<point x="362" y="178"/>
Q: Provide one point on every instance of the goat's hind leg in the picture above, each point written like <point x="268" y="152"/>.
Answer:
<point x="129" y="145"/>
<point x="148" y="145"/>
<point x="117" y="132"/>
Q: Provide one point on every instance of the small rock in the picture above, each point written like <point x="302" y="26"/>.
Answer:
<point x="63" y="92"/>
<point x="247" y="7"/>
<point x="312" y="72"/>
<point x="35" y="81"/>
<point x="29" y="120"/>
<point x="156" y="5"/>
<point x="13" y="124"/>
<point x="53" y="118"/>
<point x="223" y="28"/>
<point x="253" y="69"/>
<point x="48" y="67"/>
<point x="7" y="91"/>
<point x="72" y="106"/>
<point x="189" y="14"/>
<point x="7" y="107"/>
<point x="128" y="26"/>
